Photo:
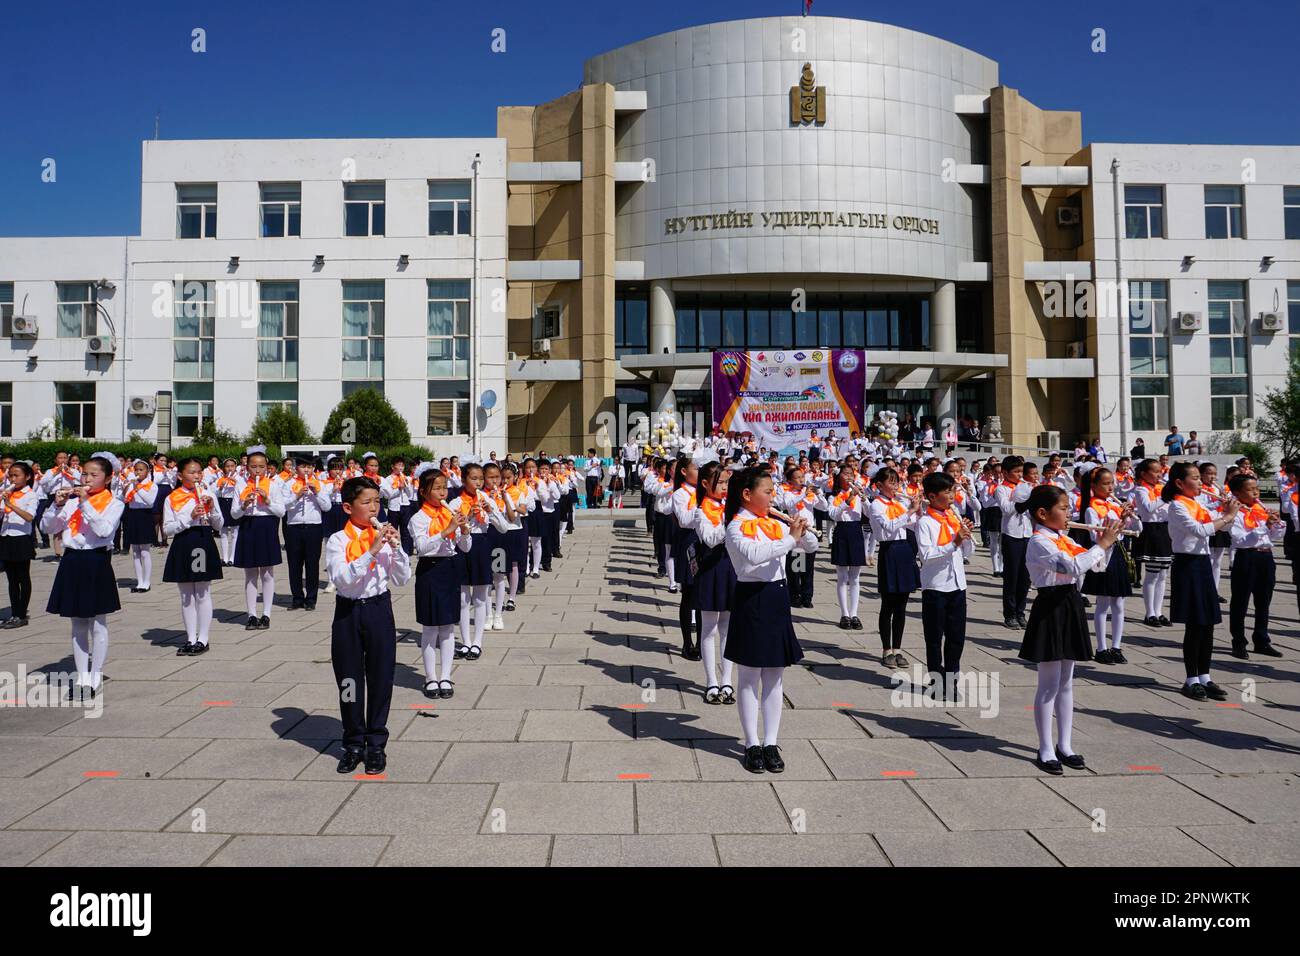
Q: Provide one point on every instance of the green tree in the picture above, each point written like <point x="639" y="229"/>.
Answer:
<point x="210" y="434"/>
<point x="280" y="426"/>
<point x="366" y="418"/>
<point x="1280" y="423"/>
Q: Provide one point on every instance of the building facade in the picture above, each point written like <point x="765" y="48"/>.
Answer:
<point x="776" y="183"/>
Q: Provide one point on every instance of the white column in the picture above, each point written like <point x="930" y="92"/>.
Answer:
<point x="943" y="338"/>
<point x="663" y="338"/>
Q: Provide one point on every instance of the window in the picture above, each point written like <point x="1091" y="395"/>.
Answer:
<point x="1144" y="212"/>
<point x="1148" y="354"/>
<point x="363" y="336"/>
<point x="277" y="332"/>
<point x="75" y="407"/>
<point x="194" y="331"/>
<point x="631" y="322"/>
<point x="1293" y="315"/>
<point x="449" y="212"/>
<point x="548" y="323"/>
<point x="1223" y="212"/>
<point x="276" y="395"/>
<point x="6" y="409"/>
<point x="191" y="407"/>
<point x="363" y="209"/>
<point x="77" y="310"/>
<point x="1291" y="211"/>
<point x="448" y="408"/>
<point x="196" y="211"/>
<point x="6" y="311"/>
<point x="448" y="355"/>
<point x="1229" y="360"/>
<point x="281" y="210"/>
<point x="759" y="320"/>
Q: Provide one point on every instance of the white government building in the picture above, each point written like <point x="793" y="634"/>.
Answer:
<point x="511" y="293"/>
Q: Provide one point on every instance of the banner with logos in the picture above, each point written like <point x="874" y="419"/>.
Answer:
<point x="782" y="397"/>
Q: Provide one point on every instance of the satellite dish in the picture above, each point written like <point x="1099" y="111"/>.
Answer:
<point x="488" y="399"/>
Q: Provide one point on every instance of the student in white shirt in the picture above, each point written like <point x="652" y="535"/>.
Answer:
<point x="944" y="541"/>
<point x="439" y="535"/>
<point x="1255" y="531"/>
<point x="502" y="521"/>
<point x="139" y="532"/>
<point x="62" y="477"/>
<point x="1056" y="635"/>
<point x="223" y="486"/>
<point x="85" y="588"/>
<point x="682" y="532"/>
<point x="1154" y="553"/>
<point x="257" y="549"/>
<point x="18" y="506"/>
<point x="892" y="517"/>
<point x="761" y="638"/>
<point x="715" y="582"/>
<point x="848" y="547"/>
<point x="1111" y="584"/>
<point x="1015" y="532"/>
<point x="305" y="501"/>
<point x="192" y="519"/>
<point x="475" y="563"/>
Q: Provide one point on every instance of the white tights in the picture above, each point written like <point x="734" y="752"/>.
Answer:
<point x="437" y="647"/>
<point x="196" y="610"/>
<point x="713" y="637"/>
<point x="90" y="649"/>
<point x="142" y="558"/>
<point x="668" y="564"/>
<point x="535" y="549"/>
<point x="499" y="584"/>
<point x="1153" y="591"/>
<point x="747" y="695"/>
<point x="1055" y="693"/>
<point x="1101" y="607"/>
<point x="846" y="588"/>
<point x="262" y="579"/>
<point x="1216" y="565"/>
<point x="229" y="534"/>
<point x="995" y="550"/>
<point x="477" y="596"/>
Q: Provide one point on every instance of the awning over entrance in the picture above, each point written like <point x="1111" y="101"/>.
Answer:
<point x="885" y="368"/>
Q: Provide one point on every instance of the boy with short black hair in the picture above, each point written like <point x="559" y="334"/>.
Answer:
<point x="943" y="541"/>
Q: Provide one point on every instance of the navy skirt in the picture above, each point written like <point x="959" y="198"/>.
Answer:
<point x="499" y="557"/>
<point x="1154" y="545"/>
<point x="17" y="547"/>
<point x="437" y="591"/>
<point x="476" y="563"/>
<point x="517" y="547"/>
<point x="258" y="544"/>
<point x="715" y="578"/>
<point x="1193" y="598"/>
<point x="183" y="563"/>
<point x="991" y="519"/>
<point x="848" y="547"/>
<point x="761" y="632"/>
<point x="332" y="521"/>
<point x="163" y="492"/>
<point x="533" y="523"/>
<point x="1114" y="581"/>
<point x="1057" y="629"/>
<point x="1221" y="539"/>
<point x="224" y="505"/>
<point x="84" y="585"/>
<point x="138" y="526"/>
<point x="683" y="539"/>
<point x="896" y="571"/>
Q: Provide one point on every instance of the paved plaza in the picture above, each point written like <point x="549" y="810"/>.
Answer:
<point x="581" y="737"/>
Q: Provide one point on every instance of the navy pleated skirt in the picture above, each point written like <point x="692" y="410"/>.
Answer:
<point x="437" y="591"/>
<point x="1193" y="598"/>
<point x="1155" y="546"/>
<point x="683" y="539"/>
<point x="1113" y="580"/>
<point x="1057" y="629"/>
<point x="533" y="523"/>
<point x="476" y="563"/>
<point x="163" y="492"/>
<point x="17" y="547"/>
<point x="258" y="544"/>
<point x="517" y="547"/>
<point x="848" y="547"/>
<point x="184" y="566"/>
<point x="332" y="521"/>
<point x="715" y="580"/>
<point x="224" y="505"/>
<point x="761" y="633"/>
<point x="84" y="585"/>
<point x="896" y="571"/>
<point x="138" y="526"/>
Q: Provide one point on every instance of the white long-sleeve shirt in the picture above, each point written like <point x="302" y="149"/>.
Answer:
<point x="177" y="520"/>
<point x="397" y="491"/>
<point x="12" y="523"/>
<point x="942" y="565"/>
<point x="367" y="575"/>
<point x="758" y="556"/>
<point x="305" y="508"/>
<point x="97" y="527"/>
<point x="1050" y="566"/>
<point x="847" y="506"/>
<point x="1015" y="524"/>
<point x="270" y="503"/>
<point x="1262" y="537"/>
<point x="140" y="494"/>
<point x="683" y="505"/>
<point x="435" y="545"/>
<point x="710" y="526"/>
<point x="1188" y="534"/>
<point x="885" y="528"/>
<point x="1148" y="504"/>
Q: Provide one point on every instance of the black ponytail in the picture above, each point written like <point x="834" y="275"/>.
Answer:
<point x="706" y="479"/>
<point x="746" y="479"/>
<point x="1177" y="472"/>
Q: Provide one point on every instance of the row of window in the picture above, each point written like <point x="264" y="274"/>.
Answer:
<point x="363" y="209"/>
<point x="1225" y="212"/>
<point x="76" y="312"/>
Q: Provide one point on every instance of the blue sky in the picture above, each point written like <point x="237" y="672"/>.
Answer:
<point x="81" y="82"/>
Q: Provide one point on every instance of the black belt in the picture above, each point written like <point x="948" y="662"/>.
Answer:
<point x="347" y="602"/>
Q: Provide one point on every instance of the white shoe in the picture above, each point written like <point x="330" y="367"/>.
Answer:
<point x="498" y="624"/>
<point x="329" y="588"/>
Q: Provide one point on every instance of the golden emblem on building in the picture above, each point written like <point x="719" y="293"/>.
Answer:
<point x="807" y="100"/>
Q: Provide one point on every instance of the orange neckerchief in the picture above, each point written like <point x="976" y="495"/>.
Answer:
<point x="225" y="482"/>
<point x="6" y="507"/>
<point x="439" y="517"/>
<point x="1104" y="508"/>
<point x="498" y="499"/>
<point x="178" y="498"/>
<point x="1197" y="510"/>
<point x="846" y="497"/>
<point x="262" y="484"/>
<point x="1064" y="543"/>
<point x="892" y="508"/>
<point x="284" y="475"/>
<point x="138" y="486"/>
<point x="690" y="501"/>
<point x="399" y="481"/>
<point x="312" y="481"/>
<point x="359" y="542"/>
<point x="912" y="489"/>
<point x="1255" y="515"/>
<point x="713" y="510"/>
<point x="1011" y="484"/>
<point x="466" y="503"/>
<point x="1153" y="490"/>
<point x="949" y="524"/>
<point x="99" y="501"/>
<point x="772" y="528"/>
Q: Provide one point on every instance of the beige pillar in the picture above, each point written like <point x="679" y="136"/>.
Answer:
<point x="663" y="338"/>
<point x="943" y="338"/>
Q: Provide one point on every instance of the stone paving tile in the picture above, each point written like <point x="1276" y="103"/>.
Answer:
<point x="631" y="760"/>
<point x="413" y="809"/>
<point x="301" y="851"/>
<point x="709" y="808"/>
<point x="806" y="849"/>
<point x="469" y="762"/>
<point x="268" y="806"/>
<point x="101" y="848"/>
<point x="1260" y="798"/>
<point x="499" y="849"/>
<point x="882" y="758"/>
<point x="991" y="804"/>
<point x="561" y="808"/>
<point x="723" y="760"/>
<point x="20" y="756"/>
<point x="588" y="850"/>
<point x="1250" y="844"/>
<point x="119" y="805"/>
<point x="1140" y="801"/>
<point x="1126" y="847"/>
<point x="854" y="807"/>
<point x="245" y="759"/>
<point x="20" y="847"/>
<point x="123" y="757"/>
<point x="965" y="848"/>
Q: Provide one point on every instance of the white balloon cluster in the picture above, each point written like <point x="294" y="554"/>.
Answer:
<point x="887" y="424"/>
<point x="665" y="434"/>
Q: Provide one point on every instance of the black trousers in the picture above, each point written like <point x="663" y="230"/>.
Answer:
<point x="19" y="574"/>
<point x="943" y="621"/>
<point x="800" y="582"/>
<point x="1015" y="576"/>
<point x="302" y="544"/>
<point x="633" y="481"/>
<point x="401" y="520"/>
<point x="591" y="492"/>
<point x="363" y="648"/>
<point x="550" y="537"/>
<point x="569" y="503"/>
<point x="1198" y="643"/>
<point x="891" y="619"/>
<point x="1253" y="575"/>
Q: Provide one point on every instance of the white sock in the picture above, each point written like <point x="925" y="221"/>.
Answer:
<point x="446" y="650"/>
<point x="99" y="649"/>
<point x="144" y="566"/>
<point x="136" y="551"/>
<point x="1065" y="708"/>
<point x="429" y="650"/>
<point x="668" y="566"/>
<point x="480" y="612"/>
<point x="268" y="591"/>
<point x="724" y="622"/>
<point x="535" y="549"/>
<point x="500" y="595"/>
<point x="747" y="679"/>
<point x="514" y="581"/>
<point x="1149" y="601"/>
<point x="1216" y="565"/>
<point x="252" y="577"/>
<point x="855" y="592"/>
<point x="772" y="700"/>
<point x="465" y="605"/>
<point x="842" y="590"/>
<point x="81" y="648"/>
<point x="1204" y="678"/>
<point x="708" y="646"/>
<point x="203" y="603"/>
<point x="1049" y="682"/>
<point x="189" y="613"/>
<point x="1162" y="581"/>
<point x="1116" y="621"/>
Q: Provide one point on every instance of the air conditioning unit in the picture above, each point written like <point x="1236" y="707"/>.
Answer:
<point x="143" y="404"/>
<point x="1189" y="321"/>
<point x="101" y="345"/>
<point x="25" y="326"/>
<point x="1067" y="216"/>
<point x="1076" y="350"/>
<point x="542" y="346"/>
<point x="1270" y="321"/>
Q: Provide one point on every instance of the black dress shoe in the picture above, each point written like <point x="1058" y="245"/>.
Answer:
<point x="1165" y="622"/>
<point x="772" y="759"/>
<point x="1151" y="621"/>
<point x="510" y="605"/>
<point x="1268" y="650"/>
<point x="844" y="624"/>
<point x="309" y="606"/>
<point x="197" y="648"/>
<point x="350" y="759"/>
<point x="253" y="624"/>
<point x="754" y="759"/>
<point x="1214" y="691"/>
<point x="1222" y="599"/>
<point x="1073" y="761"/>
<point x="856" y="622"/>
<point x="1103" y="656"/>
<point x="296" y="606"/>
<point x="1021" y="622"/>
<point x="376" y="761"/>
<point x="185" y="650"/>
<point x="1194" y="691"/>
<point x="1117" y="656"/>
<point x="692" y="653"/>
<point x="1240" y="653"/>
<point x="1010" y="623"/>
<point x="1049" y="766"/>
<point x="264" y="623"/>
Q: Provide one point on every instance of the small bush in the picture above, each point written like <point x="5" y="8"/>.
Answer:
<point x="280" y="426"/>
<point x="366" y="418"/>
